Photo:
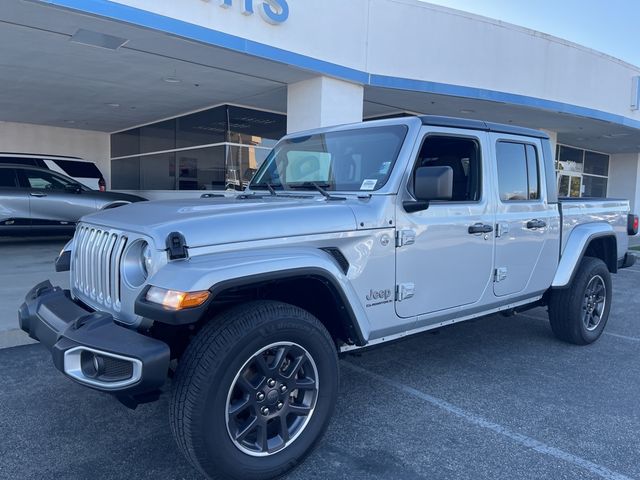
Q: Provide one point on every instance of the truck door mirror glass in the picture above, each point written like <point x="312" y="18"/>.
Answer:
<point x="433" y="183"/>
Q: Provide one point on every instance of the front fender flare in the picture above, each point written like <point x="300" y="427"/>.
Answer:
<point x="575" y="248"/>
<point x="218" y="272"/>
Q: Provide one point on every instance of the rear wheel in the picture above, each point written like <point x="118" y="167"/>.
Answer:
<point x="578" y="314"/>
<point x="254" y="391"/>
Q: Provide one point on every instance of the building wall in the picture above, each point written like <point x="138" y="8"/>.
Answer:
<point x="39" y="139"/>
<point x="624" y="174"/>
<point x="410" y="39"/>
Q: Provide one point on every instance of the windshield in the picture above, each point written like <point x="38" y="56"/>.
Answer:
<point x="352" y="160"/>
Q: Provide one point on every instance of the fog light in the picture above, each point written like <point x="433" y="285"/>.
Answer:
<point x="176" y="300"/>
<point x="92" y="364"/>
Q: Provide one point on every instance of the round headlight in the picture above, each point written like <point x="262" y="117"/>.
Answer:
<point x="137" y="263"/>
<point x="147" y="259"/>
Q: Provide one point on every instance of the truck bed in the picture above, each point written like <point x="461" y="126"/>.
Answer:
<point x="579" y="211"/>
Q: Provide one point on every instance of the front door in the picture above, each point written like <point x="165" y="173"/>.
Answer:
<point x="526" y="247"/>
<point x="442" y="263"/>
<point x="53" y="202"/>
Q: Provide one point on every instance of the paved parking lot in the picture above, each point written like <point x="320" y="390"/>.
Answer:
<point x="496" y="398"/>
<point x="25" y="262"/>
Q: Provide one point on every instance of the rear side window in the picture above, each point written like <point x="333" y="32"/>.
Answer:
<point x="78" y="169"/>
<point x="518" y="172"/>
<point x="7" y="178"/>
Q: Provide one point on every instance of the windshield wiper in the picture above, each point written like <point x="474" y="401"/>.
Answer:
<point x="268" y="186"/>
<point x="317" y="186"/>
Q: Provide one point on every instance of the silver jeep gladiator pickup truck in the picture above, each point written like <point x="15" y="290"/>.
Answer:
<point x="346" y="237"/>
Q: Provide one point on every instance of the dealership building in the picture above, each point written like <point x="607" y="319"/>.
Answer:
<point x="173" y="97"/>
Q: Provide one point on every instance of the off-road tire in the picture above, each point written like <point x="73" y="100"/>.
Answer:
<point x="567" y="305"/>
<point x="210" y="367"/>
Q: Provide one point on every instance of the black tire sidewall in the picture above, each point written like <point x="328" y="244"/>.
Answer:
<point x="214" y="445"/>
<point x="593" y="268"/>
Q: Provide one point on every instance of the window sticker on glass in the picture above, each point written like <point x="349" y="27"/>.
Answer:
<point x="384" y="168"/>
<point x="369" y="184"/>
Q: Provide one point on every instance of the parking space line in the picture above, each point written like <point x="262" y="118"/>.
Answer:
<point x="617" y="335"/>
<point x="479" y="421"/>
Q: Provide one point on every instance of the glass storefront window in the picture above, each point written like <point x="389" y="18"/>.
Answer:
<point x="161" y="156"/>
<point x="125" y="174"/>
<point x="202" y="128"/>
<point x="242" y="164"/>
<point x="581" y="173"/>
<point x="570" y="159"/>
<point x="596" y="164"/>
<point x="594" y="186"/>
<point x="201" y="169"/>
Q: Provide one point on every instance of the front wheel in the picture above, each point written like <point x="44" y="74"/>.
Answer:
<point x="254" y="391"/>
<point x="579" y="313"/>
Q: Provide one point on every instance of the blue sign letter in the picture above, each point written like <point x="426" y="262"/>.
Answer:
<point x="275" y="11"/>
<point x="247" y="6"/>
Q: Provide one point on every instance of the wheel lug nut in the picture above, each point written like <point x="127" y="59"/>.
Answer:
<point x="265" y="411"/>
<point x="260" y="396"/>
<point x="271" y="382"/>
<point x="283" y="389"/>
<point x="280" y="405"/>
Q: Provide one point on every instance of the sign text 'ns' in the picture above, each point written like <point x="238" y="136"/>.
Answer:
<point x="274" y="12"/>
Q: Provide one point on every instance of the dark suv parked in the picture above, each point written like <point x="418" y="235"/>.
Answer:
<point x="36" y="201"/>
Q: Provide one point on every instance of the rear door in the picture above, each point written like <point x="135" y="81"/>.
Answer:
<point x="14" y="202"/>
<point x="526" y="247"/>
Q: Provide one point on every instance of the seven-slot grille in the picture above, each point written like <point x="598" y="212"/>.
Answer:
<point x="96" y="265"/>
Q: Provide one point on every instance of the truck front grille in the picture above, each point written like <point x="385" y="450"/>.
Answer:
<point x="97" y="255"/>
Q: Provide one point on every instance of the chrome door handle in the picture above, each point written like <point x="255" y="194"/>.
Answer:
<point x="534" y="224"/>
<point x="38" y="194"/>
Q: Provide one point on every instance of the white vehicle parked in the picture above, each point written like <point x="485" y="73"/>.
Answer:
<point x="82" y="171"/>
<point x="346" y="237"/>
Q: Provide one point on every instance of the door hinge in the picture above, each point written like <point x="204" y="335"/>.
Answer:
<point x="502" y="229"/>
<point x="405" y="291"/>
<point x="405" y="237"/>
<point x="500" y="274"/>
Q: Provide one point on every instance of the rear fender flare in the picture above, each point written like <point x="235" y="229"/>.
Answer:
<point x="575" y="249"/>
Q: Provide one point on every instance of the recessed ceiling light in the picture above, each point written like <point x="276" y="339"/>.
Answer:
<point x="70" y="121"/>
<point x="113" y="105"/>
<point x="172" y="80"/>
<point x="466" y="110"/>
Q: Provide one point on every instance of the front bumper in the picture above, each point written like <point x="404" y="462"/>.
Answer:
<point x="90" y="348"/>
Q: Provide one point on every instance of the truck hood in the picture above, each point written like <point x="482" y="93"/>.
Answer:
<point x="216" y="221"/>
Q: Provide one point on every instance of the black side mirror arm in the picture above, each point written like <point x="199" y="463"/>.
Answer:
<point x="413" y="206"/>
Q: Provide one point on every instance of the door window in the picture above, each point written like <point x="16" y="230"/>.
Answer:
<point x="462" y="155"/>
<point x="7" y="178"/>
<point x="518" y="172"/>
<point x="41" y="180"/>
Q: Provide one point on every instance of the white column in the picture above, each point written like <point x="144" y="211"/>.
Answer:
<point x="322" y="102"/>
<point x="553" y="139"/>
<point x="624" y="176"/>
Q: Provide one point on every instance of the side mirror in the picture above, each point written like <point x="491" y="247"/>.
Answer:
<point x="430" y="183"/>
<point x="433" y="183"/>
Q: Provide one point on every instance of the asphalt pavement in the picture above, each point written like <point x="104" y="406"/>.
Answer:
<point x="494" y="398"/>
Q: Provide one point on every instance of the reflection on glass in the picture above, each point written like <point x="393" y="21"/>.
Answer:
<point x="594" y="186"/>
<point x="575" y="187"/>
<point x="570" y="159"/>
<point x="201" y="169"/>
<point x="563" y="189"/>
<point x="512" y="171"/>
<point x="596" y="163"/>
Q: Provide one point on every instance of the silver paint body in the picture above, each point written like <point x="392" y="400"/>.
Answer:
<point x="51" y="209"/>
<point x="451" y="272"/>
